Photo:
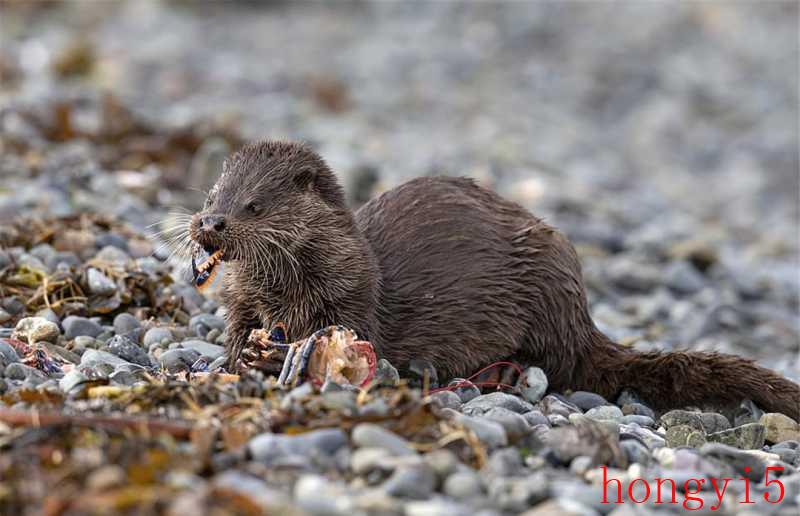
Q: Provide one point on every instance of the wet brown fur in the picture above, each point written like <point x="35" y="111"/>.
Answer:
<point x="443" y="270"/>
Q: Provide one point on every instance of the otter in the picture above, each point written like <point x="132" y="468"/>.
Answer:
<point x="439" y="269"/>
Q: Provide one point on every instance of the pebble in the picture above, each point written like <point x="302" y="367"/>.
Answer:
<point x="517" y="494"/>
<point x="505" y="462"/>
<point x="637" y="409"/>
<point x="99" y="283"/>
<point x="127" y="325"/>
<point x="587" y="400"/>
<point x="315" y="445"/>
<point x="35" y="329"/>
<point x="155" y="336"/>
<point x="176" y="360"/>
<point x="419" y="369"/>
<point x="415" y="481"/>
<point x="75" y="326"/>
<point x="7" y="354"/>
<point x="736" y="458"/>
<point x="533" y="384"/>
<point x="463" y="484"/>
<point x="779" y="427"/>
<point x="386" y="374"/>
<point x="551" y="405"/>
<point x="19" y="371"/>
<point x="365" y="460"/>
<point x="465" y="389"/>
<point x="746" y="437"/>
<point x="682" y="277"/>
<point x="639" y="420"/>
<point x="92" y="358"/>
<point x="369" y="435"/>
<point x="128" y="350"/>
<point x="211" y="351"/>
<point x="490" y="433"/>
<point x="202" y="324"/>
<point x="605" y="413"/>
<point x="71" y="380"/>
<point x="447" y="399"/>
<point x="268" y="499"/>
<point x="316" y="494"/>
<point x="515" y="425"/>
<point x="684" y="435"/>
<point x="534" y="417"/>
<point x="486" y="402"/>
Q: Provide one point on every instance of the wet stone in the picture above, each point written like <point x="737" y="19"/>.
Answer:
<point x="175" y="360"/>
<point x="128" y="350"/>
<point x="75" y="326"/>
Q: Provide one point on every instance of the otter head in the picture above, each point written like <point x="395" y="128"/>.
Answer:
<point x="270" y="197"/>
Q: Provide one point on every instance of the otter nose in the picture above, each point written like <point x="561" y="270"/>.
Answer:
<point x="213" y="222"/>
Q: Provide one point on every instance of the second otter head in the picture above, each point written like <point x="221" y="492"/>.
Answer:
<point x="269" y="198"/>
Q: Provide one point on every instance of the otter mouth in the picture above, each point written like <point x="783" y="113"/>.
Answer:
<point x="205" y="264"/>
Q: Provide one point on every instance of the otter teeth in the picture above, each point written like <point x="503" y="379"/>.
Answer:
<point x="204" y="272"/>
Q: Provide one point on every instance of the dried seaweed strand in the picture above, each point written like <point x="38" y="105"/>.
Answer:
<point x="38" y="419"/>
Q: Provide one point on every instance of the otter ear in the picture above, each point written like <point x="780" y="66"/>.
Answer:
<point x="305" y="178"/>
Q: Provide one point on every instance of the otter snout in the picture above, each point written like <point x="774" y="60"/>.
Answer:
<point x="213" y="222"/>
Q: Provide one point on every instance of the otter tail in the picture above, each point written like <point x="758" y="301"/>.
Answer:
<point x="668" y="380"/>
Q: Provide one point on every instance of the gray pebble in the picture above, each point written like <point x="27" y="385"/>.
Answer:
<point x="447" y="399"/>
<point x="414" y="481"/>
<point x="176" y="360"/>
<point x="211" y="351"/>
<point x="318" y="444"/>
<point x="587" y="400"/>
<point x="534" y="417"/>
<point x="75" y="326"/>
<point x="128" y="350"/>
<point x="201" y="324"/>
<point x="99" y="283"/>
<point x="8" y="354"/>
<point x="485" y="402"/>
<point x="533" y="384"/>
<point x="490" y="433"/>
<point x="386" y="374"/>
<point x="606" y="412"/>
<point x="19" y="371"/>
<point x="514" y="424"/>
<point x="368" y="435"/>
<point x="71" y="380"/>
<point x="463" y="484"/>
<point x="465" y="389"/>
<point x="746" y="437"/>
<point x="517" y="494"/>
<point x="639" y="420"/>
<point x="682" y="277"/>
<point x="156" y="336"/>
<point x="637" y="409"/>
<point x="92" y="358"/>
<point x="127" y="325"/>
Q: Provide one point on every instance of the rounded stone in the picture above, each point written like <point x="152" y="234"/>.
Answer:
<point x="368" y="435"/>
<point x="35" y="329"/>
<point x="75" y="326"/>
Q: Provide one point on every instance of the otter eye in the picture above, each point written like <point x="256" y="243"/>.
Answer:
<point x="252" y="208"/>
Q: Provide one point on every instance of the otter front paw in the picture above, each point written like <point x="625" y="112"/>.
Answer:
<point x="263" y="351"/>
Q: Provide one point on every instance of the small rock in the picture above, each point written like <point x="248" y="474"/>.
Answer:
<point x="127" y="325"/>
<point x="684" y="435"/>
<point x="713" y="422"/>
<point x="8" y="354"/>
<point x="514" y="424"/>
<point x="317" y="495"/>
<point x="414" y="481"/>
<point x="519" y="493"/>
<point x="463" y="484"/>
<point x="551" y="404"/>
<point x="746" y="437"/>
<point x="443" y="462"/>
<point x="682" y="277"/>
<point x="505" y="462"/>
<point x="318" y="445"/>
<point x="368" y="435"/>
<point x="128" y="350"/>
<point x="19" y="371"/>
<point x="587" y="400"/>
<point x="486" y="402"/>
<point x="639" y="420"/>
<point x="75" y="326"/>
<point x="268" y="499"/>
<point x="737" y="458"/>
<point x="156" y="336"/>
<point x="637" y="409"/>
<point x="92" y="358"/>
<point x="99" y="283"/>
<point x="35" y="329"/>
<point x="386" y="374"/>
<point x="533" y="384"/>
<point x="605" y="412"/>
<point x="176" y="360"/>
<point x="365" y="460"/>
<point x="490" y="433"/>
<point x="420" y="369"/>
<point x="49" y="314"/>
<point x="212" y="351"/>
<point x="465" y="389"/>
<point x="201" y="324"/>
<point x="779" y="428"/>
<point x="534" y="417"/>
<point x="447" y="399"/>
<point x="682" y="417"/>
<point x="72" y="380"/>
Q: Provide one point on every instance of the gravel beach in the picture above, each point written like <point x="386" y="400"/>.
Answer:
<point x="662" y="138"/>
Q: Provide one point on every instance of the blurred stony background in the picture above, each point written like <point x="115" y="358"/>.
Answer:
<point x="662" y="137"/>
